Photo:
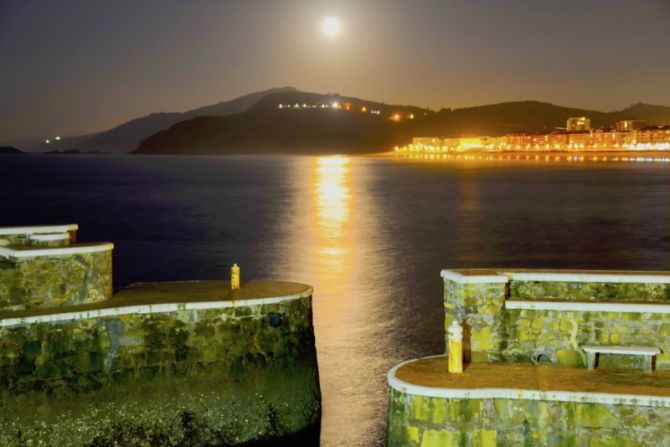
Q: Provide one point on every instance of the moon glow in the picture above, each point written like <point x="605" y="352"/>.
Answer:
<point x="331" y="27"/>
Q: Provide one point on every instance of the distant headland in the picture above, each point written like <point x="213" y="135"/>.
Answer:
<point x="9" y="150"/>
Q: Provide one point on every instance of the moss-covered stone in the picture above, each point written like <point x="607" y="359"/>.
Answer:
<point x="569" y="357"/>
<point x="440" y="438"/>
<point x="480" y="308"/>
<point x="521" y="423"/>
<point x="213" y="376"/>
<point x="589" y="291"/>
<point x="48" y="281"/>
<point x="496" y="334"/>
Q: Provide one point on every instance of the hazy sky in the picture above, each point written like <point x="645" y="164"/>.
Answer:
<point x="84" y="65"/>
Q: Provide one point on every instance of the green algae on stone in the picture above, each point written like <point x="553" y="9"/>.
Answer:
<point x="590" y="291"/>
<point x="213" y="375"/>
<point x="493" y="333"/>
<point x="203" y="410"/>
<point x="50" y="281"/>
<point x="518" y="422"/>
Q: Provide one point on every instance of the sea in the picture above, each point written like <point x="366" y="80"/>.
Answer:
<point x="371" y="234"/>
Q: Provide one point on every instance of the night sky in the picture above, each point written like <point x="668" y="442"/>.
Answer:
<point x="76" y="66"/>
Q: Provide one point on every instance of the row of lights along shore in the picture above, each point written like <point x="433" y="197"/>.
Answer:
<point x="545" y="158"/>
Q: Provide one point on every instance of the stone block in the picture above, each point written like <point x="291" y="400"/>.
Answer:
<point x="438" y="411"/>
<point x="482" y="438"/>
<point x="612" y="441"/>
<point x="413" y="434"/>
<point x="442" y="438"/>
<point x="663" y="361"/>
<point x="510" y="413"/>
<point x="596" y="416"/>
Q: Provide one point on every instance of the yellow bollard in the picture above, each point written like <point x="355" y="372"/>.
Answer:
<point x="235" y="277"/>
<point x="455" y="332"/>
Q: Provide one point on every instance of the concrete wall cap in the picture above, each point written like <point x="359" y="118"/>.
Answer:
<point x="590" y="277"/>
<point x="147" y="309"/>
<point x="39" y="229"/>
<point x="523" y="394"/>
<point x="452" y="275"/>
<point x="35" y="252"/>
<point x="49" y="236"/>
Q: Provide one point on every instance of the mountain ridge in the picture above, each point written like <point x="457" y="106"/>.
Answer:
<point x="265" y="128"/>
<point x="493" y="119"/>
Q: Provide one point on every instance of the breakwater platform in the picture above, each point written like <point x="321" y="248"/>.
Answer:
<point x="171" y="364"/>
<point x="551" y="358"/>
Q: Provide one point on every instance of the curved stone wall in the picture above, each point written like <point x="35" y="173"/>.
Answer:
<point x="524" y="405"/>
<point x="424" y="421"/>
<point x="169" y="364"/>
<point x="525" y="382"/>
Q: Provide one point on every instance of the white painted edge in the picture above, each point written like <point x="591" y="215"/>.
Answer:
<point x="523" y="394"/>
<point x="588" y="306"/>
<point x="49" y="236"/>
<point x="39" y="229"/>
<point x="55" y="251"/>
<point x="148" y="309"/>
<point x="623" y="350"/>
<point x="591" y="277"/>
<point x="472" y="279"/>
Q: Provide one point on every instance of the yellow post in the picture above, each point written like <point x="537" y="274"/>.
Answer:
<point x="455" y="332"/>
<point x="235" y="277"/>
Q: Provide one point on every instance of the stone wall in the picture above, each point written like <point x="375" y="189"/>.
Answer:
<point x="215" y="376"/>
<point x="423" y="421"/>
<point x="494" y="332"/>
<point x="56" y="279"/>
<point x="29" y="236"/>
<point x="480" y="308"/>
<point x="590" y="291"/>
<point x="557" y="336"/>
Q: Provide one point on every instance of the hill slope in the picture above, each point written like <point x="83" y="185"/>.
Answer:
<point x="9" y="150"/>
<point x="265" y="128"/>
<point x="125" y="137"/>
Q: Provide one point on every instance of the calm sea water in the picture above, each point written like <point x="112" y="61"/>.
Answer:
<point x="370" y="234"/>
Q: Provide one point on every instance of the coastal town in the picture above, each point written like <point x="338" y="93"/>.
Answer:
<point x="577" y="136"/>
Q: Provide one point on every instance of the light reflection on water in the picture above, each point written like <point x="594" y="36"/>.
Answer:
<point x="334" y="218"/>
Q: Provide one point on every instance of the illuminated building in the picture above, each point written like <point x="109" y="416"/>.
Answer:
<point x="629" y="125"/>
<point x="578" y="124"/>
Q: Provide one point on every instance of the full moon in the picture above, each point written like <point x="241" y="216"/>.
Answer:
<point x="331" y="26"/>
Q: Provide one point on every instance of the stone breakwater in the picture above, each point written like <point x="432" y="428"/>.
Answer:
<point x="439" y="422"/>
<point x="525" y="380"/>
<point x="188" y="363"/>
